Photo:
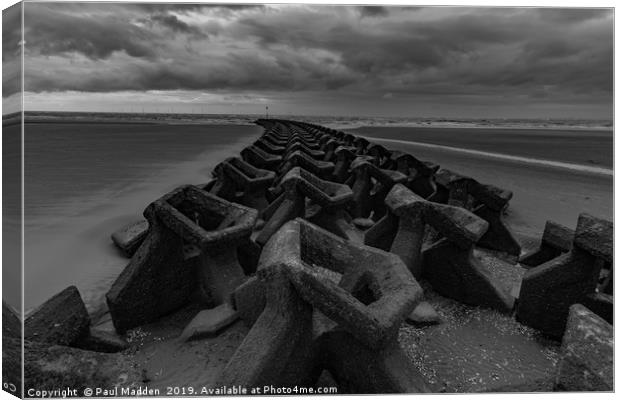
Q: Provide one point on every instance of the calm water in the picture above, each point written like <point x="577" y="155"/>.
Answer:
<point x="83" y="181"/>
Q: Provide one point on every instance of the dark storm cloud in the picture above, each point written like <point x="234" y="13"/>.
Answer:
<point x="49" y="31"/>
<point x="11" y="32"/>
<point x="542" y="53"/>
<point x="11" y="50"/>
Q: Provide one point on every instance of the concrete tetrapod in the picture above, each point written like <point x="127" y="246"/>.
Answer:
<point x="587" y="362"/>
<point x="298" y="145"/>
<point x="361" y="314"/>
<point x="267" y="146"/>
<point x="237" y="176"/>
<point x="548" y="290"/>
<point x="360" y="145"/>
<point x="344" y="156"/>
<point x="420" y="175"/>
<point x="322" y="169"/>
<point x="556" y="239"/>
<point x="329" y="148"/>
<point x="450" y="264"/>
<point x="364" y="199"/>
<point x="486" y="201"/>
<point x="189" y="254"/>
<point x="297" y="185"/>
<point x="260" y="158"/>
<point x="460" y="226"/>
<point x="279" y="350"/>
<point x="381" y="155"/>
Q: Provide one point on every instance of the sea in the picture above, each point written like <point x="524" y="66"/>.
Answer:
<point x="88" y="174"/>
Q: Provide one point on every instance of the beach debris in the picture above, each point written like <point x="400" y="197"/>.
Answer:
<point x="423" y="315"/>
<point x="190" y="252"/>
<point x="102" y="341"/>
<point x="297" y="185"/>
<point x="556" y="240"/>
<point x="130" y="237"/>
<point x="370" y="186"/>
<point x="209" y="322"/>
<point x="242" y="183"/>
<point x="587" y="362"/>
<point x="487" y="201"/>
<point x="61" y="320"/>
<point x="548" y="290"/>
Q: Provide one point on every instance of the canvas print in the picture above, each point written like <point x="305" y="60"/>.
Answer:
<point x="294" y="199"/>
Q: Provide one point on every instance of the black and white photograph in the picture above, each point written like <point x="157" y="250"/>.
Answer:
<point x="207" y="198"/>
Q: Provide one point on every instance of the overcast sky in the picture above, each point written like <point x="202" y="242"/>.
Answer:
<point x="297" y="59"/>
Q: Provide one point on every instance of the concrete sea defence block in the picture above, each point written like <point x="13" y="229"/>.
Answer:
<point x="548" y="290"/>
<point x="260" y="158"/>
<point x="11" y="324"/>
<point x="601" y="304"/>
<point x="556" y="239"/>
<point x="297" y="185"/>
<point x="209" y="322"/>
<point x="278" y="349"/>
<point x="587" y="353"/>
<point x="250" y="300"/>
<point x="130" y="237"/>
<point x="460" y="226"/>
<point x="102" y="341"/>
<point x="420" y="175"/>
<point x="56" y="367"/>
<point x="595" y="236"/>
<point x="11" y="350"/>
<point x="359" y="370"/>
<point x="242" y="183"/>
<point x="190" y="252"/>
<point x="61" y="320"/>
<point x="369" y="196"/>
<point x="375" y="293"/>
<point x="486" y="201"/>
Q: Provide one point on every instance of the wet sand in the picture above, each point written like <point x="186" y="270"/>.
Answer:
<point x="541" y="192"/>
<point x="586" y="147"/>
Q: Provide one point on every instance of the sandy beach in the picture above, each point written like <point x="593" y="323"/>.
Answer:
<point x="541" y="192"/>
<point x="68" y="236"/>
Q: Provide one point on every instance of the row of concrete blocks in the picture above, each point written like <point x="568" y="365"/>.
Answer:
<point x="257" y="180"/>
<point x="199" y="249"/>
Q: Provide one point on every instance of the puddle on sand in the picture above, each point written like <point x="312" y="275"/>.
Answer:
<point x="479" y="350"/>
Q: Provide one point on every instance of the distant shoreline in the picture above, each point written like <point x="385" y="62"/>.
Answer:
<point x="340" y="123"/>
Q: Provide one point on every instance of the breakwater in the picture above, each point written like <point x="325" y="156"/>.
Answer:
<point x="317" y="240"/>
